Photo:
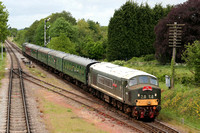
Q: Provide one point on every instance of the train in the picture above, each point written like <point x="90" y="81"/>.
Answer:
<point x="132" y="91"/>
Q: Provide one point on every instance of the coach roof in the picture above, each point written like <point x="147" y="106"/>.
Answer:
<point x="32" y="46"/>
<point x="58" y="54"/>
<point x="79" y="60"/>
<point x="45" y="50"/>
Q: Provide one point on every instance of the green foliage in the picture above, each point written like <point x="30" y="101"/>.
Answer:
<point x="91" y="41"/>
<point x="96" y="30"/>
<point x="62" y="43"/>
<point x="93" y="49"/>
<point x="21" y="37"/>
<point x="3" y="22"/>
<point x="12" y="32"/>
<point x="31" y="31"/>
<point x="183" y="74"/>
<point x="66" y="15"/>
<point x="192" y="58"/>
<point x="83" y="29"/>
<point x="181" y="103"/>
<point x="39" y="34"/>
<point x="62" y="26"/>
<point x="130" y="31"/>
<point x="85" y="38"/>
<point x="149" y="57"/>
<point x="2" y="66"/>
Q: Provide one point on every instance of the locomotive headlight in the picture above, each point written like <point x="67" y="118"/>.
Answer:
<point x="155" y="94"/>
<point x="138" y="95"/>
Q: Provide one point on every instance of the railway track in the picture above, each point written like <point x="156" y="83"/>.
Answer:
<point x="135" y="125"/>
<point x="17" y="114"/>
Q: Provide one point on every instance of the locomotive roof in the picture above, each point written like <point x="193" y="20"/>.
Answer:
<point x="79" y="60"/>
<point x="58" y="54"/>
<point x="33" y="46"/>
<point x="45" y="50"/>
<point x="118" y="71"/>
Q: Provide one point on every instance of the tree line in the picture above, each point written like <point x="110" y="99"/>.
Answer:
<point x="134" y="30"/>
<point x="130" y="33"/>
<point x="82" y="37"/>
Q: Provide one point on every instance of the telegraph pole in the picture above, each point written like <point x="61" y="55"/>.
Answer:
<point x="175" y="32"/>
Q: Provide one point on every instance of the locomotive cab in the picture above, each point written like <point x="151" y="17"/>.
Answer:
<point x="143" y="93"/>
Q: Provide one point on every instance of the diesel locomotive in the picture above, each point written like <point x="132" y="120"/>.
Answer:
<point x="134" y="92"/>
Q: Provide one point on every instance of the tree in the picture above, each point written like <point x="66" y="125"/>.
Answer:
<point x="62" y="26"/>
<point x="62" y="43"/>
<point x="21" y="36"/>
<point x="83" y="29"/>
<point x="66" y="15"/>
<point x="93" y="50"/>
<point x="3" y="22"/>
<point x="130" y="31"/>
<point x="12" y="31"/>
<point x="187" y="13"/>
<point x="192" y="58"/>
<point x="39" y="34"/>
<point x="95" y="28"/>
<point x="31" y="31"/>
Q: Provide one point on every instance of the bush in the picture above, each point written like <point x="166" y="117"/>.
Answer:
<point x="192" y="58"/>
<point x="149" y="57"/>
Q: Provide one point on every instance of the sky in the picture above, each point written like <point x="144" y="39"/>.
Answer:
<point x="22" y="13"/>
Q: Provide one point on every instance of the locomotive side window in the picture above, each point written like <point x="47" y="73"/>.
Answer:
<point x="143" y="79"/>
<point x="153" y="81"/>
<point x="132" y="82"/>
<point x="100" y="80"/>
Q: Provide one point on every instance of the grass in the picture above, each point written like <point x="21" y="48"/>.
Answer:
<point x="64" y="120"/>
<point x="181" y="104"/>
<point x="2" y="66"/>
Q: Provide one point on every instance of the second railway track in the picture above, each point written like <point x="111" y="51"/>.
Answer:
<point x="17" y="114"/>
